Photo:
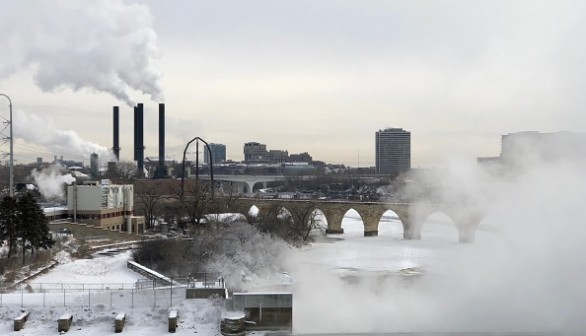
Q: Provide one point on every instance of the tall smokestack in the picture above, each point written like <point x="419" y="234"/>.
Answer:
<point x="135" y="133"/>
<point x="116" y="148"/>
<point x="161" y="169"/>
<point x="140" y="140"/>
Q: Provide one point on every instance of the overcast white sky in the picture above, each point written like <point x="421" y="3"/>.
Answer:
<point x="320" y="76"/>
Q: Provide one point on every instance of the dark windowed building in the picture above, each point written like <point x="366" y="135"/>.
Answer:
<point x="393" y="151"/>
<point x="218" y="153"/>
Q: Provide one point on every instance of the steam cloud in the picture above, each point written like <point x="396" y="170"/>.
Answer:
<point x="36" y="129"/>
<point x="104" y="45"/>
<point x="50" y="182"/>
<point x="527" y="278"/>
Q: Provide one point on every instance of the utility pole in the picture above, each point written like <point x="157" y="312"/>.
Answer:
<point x="11" y="186"/>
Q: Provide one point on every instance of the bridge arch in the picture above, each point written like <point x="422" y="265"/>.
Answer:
<point x="388" y="225"/>
<point x="321" y="220"/>
<point x="411" y="215"/>
<point x="354" y="222"/>
<point x="250" y="211"/>
<point x="444" y="225"/>
<point x="284" y="214"/>
<point x="465" y="220"/>
<point x="256" y="186"/>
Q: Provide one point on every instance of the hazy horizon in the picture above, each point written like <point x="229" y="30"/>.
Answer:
<point x="303" y="76"/>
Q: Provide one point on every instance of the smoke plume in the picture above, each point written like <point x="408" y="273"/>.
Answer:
<point x="103" y="45"/>
<point x="51" y="180"/>
<point x="37" y="129"/>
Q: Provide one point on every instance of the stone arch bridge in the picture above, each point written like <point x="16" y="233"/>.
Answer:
<point x="411" y="215"/>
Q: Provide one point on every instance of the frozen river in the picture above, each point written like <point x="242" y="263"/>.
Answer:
<point x="385" y="285"/>
<point x="351" y="252"/>
<point x="349" y="283"/>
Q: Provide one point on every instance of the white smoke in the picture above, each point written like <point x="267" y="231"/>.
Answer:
<point x="102" y="45"/>
<point x="50" y="182"/>
<point x="37" y="129"/>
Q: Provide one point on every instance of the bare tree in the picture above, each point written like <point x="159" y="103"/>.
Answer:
<point x="293" y="225"/>
<point x="303" y="221"/>
<point x="198" y="199"/>
<point x="273" y="220"/>
<point x="228" y="200"/>
<point x="149" y="195"/>
<point x="125" y="172"/>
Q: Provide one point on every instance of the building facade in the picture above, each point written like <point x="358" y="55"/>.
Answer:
<point x="218" y="154"/>
<point x="107" y="206"/>
<point x="530" y="147"/>
<point x="277" y="156"/>
<point x="393" y="151"/>
<point x="301" y="157"/>
<point x="254" y="152"/>
<point x="94" y="166"/>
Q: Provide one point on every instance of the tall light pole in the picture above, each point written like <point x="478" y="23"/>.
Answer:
<point x="11" y="186"/>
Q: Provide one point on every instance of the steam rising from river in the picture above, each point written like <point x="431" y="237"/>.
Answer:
<point x="531" y="281"/>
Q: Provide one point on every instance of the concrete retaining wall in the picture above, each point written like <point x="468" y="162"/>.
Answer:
<point x="270" y="311"/>
<point x="204" y="293"/>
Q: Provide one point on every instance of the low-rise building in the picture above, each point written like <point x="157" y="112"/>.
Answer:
<point x="104" y="205"/>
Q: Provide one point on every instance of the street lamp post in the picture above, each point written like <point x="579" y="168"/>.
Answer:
<point x="11" y="186"/>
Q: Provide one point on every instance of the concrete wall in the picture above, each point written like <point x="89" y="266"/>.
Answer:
<point x="267" y="310"/>
<point x="204" y="293"/>
<point x="89" y="197"/>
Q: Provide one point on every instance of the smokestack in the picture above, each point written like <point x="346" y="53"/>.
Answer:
<point x="161" y="141"/>
<point x="135" y="133"/>
<point x="116" y="148"/>
<point x="140" y="140"/>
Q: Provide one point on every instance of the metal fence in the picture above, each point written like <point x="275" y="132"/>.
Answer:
<point x="162" y="297"/>
<point x="141" y="293"/>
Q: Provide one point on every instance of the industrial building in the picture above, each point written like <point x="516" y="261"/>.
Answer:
<point x="393" y="151"/>
<point x="104" y="205"/>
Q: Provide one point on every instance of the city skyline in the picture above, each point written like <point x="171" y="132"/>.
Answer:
<point x="298" y="75"/>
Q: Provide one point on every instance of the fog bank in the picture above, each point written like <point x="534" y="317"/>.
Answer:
<point x="530" y="280"/>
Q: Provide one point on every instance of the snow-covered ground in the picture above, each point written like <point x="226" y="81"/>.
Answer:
<point x="111" y="269"/>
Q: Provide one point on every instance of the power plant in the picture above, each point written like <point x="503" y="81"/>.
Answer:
<point x="139" y="139"/>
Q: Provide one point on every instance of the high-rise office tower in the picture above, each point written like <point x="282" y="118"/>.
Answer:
<point x="218" y="153"/>
<point x="94" y="166"/>
<point x="393" y="151"/>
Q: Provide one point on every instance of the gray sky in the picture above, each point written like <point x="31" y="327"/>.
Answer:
<point x="318" y="76"/>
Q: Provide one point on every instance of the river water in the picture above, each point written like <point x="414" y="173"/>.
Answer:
<point x="385" y="285"/>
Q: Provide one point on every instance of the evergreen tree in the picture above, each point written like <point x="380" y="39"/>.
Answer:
<point x="33" y="225"/>
<point x="9" y="223"/>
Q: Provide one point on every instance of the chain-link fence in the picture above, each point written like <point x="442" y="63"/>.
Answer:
<point x="141" y="293"/>
<point x="92" y="295"/>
